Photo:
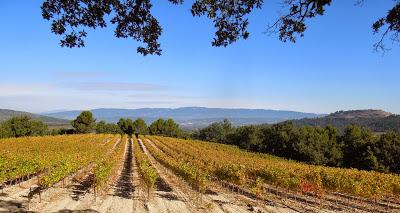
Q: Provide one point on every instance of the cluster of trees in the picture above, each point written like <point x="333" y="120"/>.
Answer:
<point x="86" y="123"/>
<point x="166" y="128"/>
<point x="356" y="147"/>
<point x="129" y="127"/>
<point x="22" y="126"/>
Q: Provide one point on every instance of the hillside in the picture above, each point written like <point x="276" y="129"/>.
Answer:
<point x="375" y="120"/>
<point x="7" y="114"/>
<point x="193" y="117"/>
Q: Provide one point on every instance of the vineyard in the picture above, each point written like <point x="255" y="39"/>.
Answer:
<point x="114" y="173"/>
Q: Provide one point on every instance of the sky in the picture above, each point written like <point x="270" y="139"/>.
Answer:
<point x="333" y="67"/>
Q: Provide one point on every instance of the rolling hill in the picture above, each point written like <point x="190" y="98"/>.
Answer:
<point x="7" y="114"/>
<point x="192" y="117"/>
<point x="375" y="120"/>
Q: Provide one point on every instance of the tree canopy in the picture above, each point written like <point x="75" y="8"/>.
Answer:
<point x="140" y="126"/>
<point x="357" y="147"/>
<point x="126" y="126"/>
<point x="134" y="19"/>
<point x="84" y="123"/>
<point x="22" y="126"/>
<point x="102" y="128"/>
<point x="165" y="127"/>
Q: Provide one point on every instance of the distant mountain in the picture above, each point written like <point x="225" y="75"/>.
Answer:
<point x="375" y="120"/>
<point x="193" y="117"/>
<point x="7" y="114"/>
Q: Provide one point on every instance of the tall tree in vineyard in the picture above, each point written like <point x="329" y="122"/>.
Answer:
<point x="84" y="123"/>
<point x="140" y="126"/>
<point x="126" y="126"/>
<point x="165" y="127"/>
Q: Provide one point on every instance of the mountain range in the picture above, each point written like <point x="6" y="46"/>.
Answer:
<point x="198" y="117"/>
<point x="192" y="117"/>
<point x="7" y="114"/>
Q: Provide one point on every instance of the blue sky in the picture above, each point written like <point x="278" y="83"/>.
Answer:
<point x="332" y="68"/>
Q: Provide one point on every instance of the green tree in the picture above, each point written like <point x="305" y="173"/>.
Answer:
<point x="126" y="125"/>
<point x="277" y="139"/>
<point x="171" y="128"/>
<point x="246" y="137"/>
<point x="84" y="123"/>
<point x="107" y="128"/>
<point x="387" y="151"/>
<point x="22" y="126"/>
<point x="165" y="127"/>
<point x="156" y="128"/>
<point x="134" y="19"/>
<point x="316" y="145"/>
<point x="358" y="146"/>
<point x="101" y="127"/>
<point x="140" y="126"/>
<point x="216" y="132"/>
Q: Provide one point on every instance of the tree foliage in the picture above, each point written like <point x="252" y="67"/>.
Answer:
<point x="107" y="128"/>
<point x="140" y="126"/>
<point x="134" y="19"/>
<point x="165" y="127"/>
<point x="22" y="126"/>
<point x="126" y="126"/>
<point x="84" y="123"/>
<point x="357" y="147"/>
<point x="216" y="132"/>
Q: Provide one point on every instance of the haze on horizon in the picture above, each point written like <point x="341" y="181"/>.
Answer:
<point x="329" y="69"/>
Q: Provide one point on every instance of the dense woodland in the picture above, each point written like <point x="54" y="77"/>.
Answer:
<point x="357" y="147"/>
<point x="354" y="147"/>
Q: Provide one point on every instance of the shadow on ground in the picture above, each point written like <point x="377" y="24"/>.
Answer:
<point x="124" y="187"/>
<point x="162" y="186"/>
<point x="12" y="206"/>
<point x="81" y="188"/>
<point x="77" y="211"/>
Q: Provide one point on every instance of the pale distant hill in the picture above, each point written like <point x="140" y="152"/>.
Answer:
<point x="352" y="114"/>
<point x="193" y="117"/>
<point x="7" y="114"/>
<point x="375" y="120"/>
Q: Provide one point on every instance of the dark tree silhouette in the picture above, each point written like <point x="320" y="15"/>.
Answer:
<point x="133" y="19"/>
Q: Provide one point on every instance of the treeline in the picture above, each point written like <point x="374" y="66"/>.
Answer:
<point x="86" y="123"/>
<point x="22" y="126"/>
<point x="356" y="147"/>
<point x="389" y="123"/>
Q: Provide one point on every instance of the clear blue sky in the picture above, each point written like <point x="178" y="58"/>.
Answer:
<point x="332" y="68"/>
